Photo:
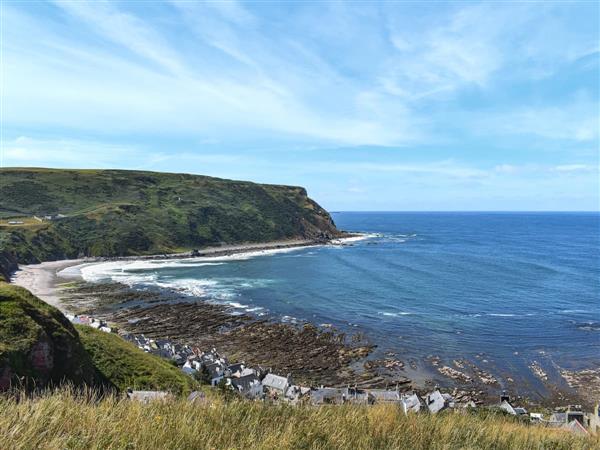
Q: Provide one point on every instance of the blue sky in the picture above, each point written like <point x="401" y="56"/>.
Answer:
<point x="370" y="106"/>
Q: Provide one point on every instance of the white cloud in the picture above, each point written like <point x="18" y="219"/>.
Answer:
<point x="124" y="29"/>
<point x="575" y="121"/>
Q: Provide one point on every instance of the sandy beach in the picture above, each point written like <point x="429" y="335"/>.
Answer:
<point x="43" y="279"/>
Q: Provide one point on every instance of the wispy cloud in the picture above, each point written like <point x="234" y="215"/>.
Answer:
<point x="458" y="94"/>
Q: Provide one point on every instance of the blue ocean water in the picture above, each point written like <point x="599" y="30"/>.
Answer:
<point x="513" y="287"/>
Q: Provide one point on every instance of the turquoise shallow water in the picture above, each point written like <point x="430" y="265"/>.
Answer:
<point x="508" y="287"/>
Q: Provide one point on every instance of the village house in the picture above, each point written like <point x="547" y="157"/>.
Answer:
<point x="295" y="393"/>
<point x="356" y="396"/>
<point x="385" y="396"/>
<point x="235" y="370"/>
<point x="506" y="406"/>
<point x="215" y="371"/>
<point x="575" y="427"/>
<point x="276" y="385"/>
<point x="248" y="386"/>
<point x="436" y="401"/>
<point x="327" y="396"/>
<point x="412" y="403"/>
<point x="593" y="419"/>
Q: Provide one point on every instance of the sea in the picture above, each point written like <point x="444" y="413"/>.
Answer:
<point x="506" y="289"/>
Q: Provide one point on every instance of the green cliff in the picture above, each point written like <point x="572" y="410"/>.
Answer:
<point x="40" y="348"/>
<point x="121" y="213"/>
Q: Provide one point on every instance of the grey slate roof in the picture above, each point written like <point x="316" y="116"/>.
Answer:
<point x="275" y="382"/>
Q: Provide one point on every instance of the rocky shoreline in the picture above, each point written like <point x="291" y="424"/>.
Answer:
<point x="314" y="355"/>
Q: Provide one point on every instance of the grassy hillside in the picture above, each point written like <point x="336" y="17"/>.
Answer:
<point x="63" y="421"/>
<point x="38" y="345"/>
<point x="117" y="212"/>
<point x="127" y="366"/>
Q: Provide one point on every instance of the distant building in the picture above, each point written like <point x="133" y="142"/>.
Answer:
<point x="385" y="396"/>
<point x="249" y="386"/>
<point x="356" y="396"/>
<point x="506" y="405"/>
<point x="412" y="403"/>
<point x="276" y="384"/>
<point x="436" y="401"/>
<point x="327" y="396"/>
<point x="575" y="427"/>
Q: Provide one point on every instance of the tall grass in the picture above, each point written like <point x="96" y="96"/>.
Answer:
<point x="65" y="420"/>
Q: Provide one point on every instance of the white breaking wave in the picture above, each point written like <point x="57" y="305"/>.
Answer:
<point x="360" y="237"/>
<point x="394" y="314"/>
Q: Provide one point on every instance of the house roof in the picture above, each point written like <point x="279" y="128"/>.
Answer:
<point x="215" y="369"/>
<point x="506" y="406"/>
<point x="244" y="384"/>
<point x="327" y="395"/>
<point x="236" y="367"/>
<point x="575" y="427"/>
<point x="558" y="417"/>
<point x="436" y="401"/>
<point x="383" y="395"/>
<point x="411" y="403"/>
<point x="275" y="382"/>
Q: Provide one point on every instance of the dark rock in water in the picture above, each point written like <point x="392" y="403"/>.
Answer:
<point x="588" y="326"/>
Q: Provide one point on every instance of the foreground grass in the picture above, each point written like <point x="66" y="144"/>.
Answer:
<point x="61" y="420"/>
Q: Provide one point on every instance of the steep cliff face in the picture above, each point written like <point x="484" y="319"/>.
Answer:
<point x="118" y="213"/>
<point x="39" y="347"/>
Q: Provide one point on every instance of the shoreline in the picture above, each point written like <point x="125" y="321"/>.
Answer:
<point x="44" y="279"/>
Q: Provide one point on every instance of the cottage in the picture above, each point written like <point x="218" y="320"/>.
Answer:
<point x="593" y="419"/>
<point x="276" y="384"/>
<point x="249" y="386"/>
<point x="235" y="370"/>
<point x="188" y="369"/>
<point x="356" y="396"/>
<point x="411" y="403"/>
<point x="436" y="401"/>
<point x="536" y="417"/>
<point x="557" y="419"/>
<point x="384" y="396"/>
<point x="216" y="372"/>
<point x="148" y="396"/>
<point x="575" y="427"/>
<point x="327" y="396"/>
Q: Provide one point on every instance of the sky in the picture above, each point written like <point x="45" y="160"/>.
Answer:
<point x="370" y="106"/>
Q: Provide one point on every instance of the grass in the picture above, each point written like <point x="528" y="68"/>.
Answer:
<point x="81" y="355"/>
<point x="30" y="327"/>
<point x="63" y="420"/>
<point x="127" y="366"/>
